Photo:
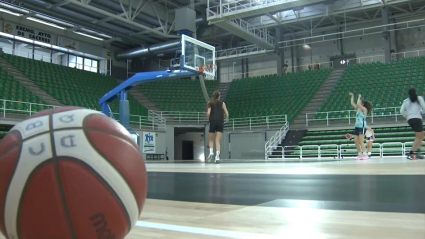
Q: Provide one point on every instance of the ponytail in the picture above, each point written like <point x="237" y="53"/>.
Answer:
<point x="412" y="95"/>
<point x="214" y="99"/>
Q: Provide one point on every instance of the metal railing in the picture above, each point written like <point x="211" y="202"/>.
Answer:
<point x="274" y="141"/>
<point x="334" y="151"/>
<point x="8" y="107"/>
<point x="236" y="52"/>
<point x="271" y="121"/>
<point x="232" y="7"/>
<point x="349" y="116"/>
<point x="231" y="75"/>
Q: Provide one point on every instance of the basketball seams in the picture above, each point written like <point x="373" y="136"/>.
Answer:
<point x="58" y="177"/>
<point x="131" y="141"/>
<point x="106" y="158"/>
<point x="102" y="180"/>
<point x="34" y="171"/>
<point x="10" y="180"/>
<point x="50" y="129"/>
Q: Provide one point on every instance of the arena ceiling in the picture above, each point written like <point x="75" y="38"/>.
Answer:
<point x="130" y="23"/>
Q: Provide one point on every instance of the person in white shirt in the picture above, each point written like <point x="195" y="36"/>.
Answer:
<point x="412" y="109"/>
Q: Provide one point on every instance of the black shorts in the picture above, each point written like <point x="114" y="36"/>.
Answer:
<point x="359" y="131"/>
<point x="216" y="126"/>
<point x="416" y="124"/>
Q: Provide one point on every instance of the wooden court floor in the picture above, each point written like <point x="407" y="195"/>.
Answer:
<point x="186" y="220"/>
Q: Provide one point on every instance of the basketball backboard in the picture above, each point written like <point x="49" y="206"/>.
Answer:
<point x="195" y="54"/>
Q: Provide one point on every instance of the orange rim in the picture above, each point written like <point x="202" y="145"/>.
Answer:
<point x="208" y="67"/>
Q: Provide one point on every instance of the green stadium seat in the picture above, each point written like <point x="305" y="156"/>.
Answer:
<point x="68" y="85"/>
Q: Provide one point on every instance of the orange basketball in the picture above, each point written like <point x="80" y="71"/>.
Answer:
<point x="70" y="173"/>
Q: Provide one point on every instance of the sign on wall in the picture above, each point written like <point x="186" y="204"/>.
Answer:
<point x="149" y="142"/>
<point x="68" y="43"/>
<point x="29" y="33"/>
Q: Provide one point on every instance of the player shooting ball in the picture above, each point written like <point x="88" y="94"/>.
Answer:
<point x="370" y="137"/>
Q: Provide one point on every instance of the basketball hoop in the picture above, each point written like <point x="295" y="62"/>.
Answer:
<point x="208" y="68"/>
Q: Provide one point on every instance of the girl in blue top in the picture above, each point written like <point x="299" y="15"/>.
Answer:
<point x="363" y="108"/>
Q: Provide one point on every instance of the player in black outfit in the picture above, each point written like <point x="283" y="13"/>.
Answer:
<point x="217" y="113"/>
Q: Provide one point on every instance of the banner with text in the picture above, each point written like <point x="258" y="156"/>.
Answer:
<point x="68" y="43"/>
<point x="149" y="142"/>
<point x="29" y="33"/>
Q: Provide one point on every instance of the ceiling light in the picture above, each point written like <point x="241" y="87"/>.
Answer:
<point x="23" y="39"/>
<point x="50" y="19"/>
<point x="45" y="23"/>
<point x="104" y="35"/>
<point x="6" y="35"/>
<point x="10" y="12"/>
<point x="42" y="43"/>
<point x="87" y="35"/>
<point x="8" y="6"/>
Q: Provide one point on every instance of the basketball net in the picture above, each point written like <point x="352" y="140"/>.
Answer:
<point x="208" y="68"/>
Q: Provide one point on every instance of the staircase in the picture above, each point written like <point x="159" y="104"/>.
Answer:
<point x="223" y="88"/>
<point x="318" y="99"/>
<point x="35" y="89"/>
<point x="293" y="137"/>
<point x="143" y="100"/>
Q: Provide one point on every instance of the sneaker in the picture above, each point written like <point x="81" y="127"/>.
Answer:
<point x="359" y="157"/>
<point x="364" y="157"/>
<point x="210" y="158"/>
<point x="217" y="160"/>
<point x="369" y="156"/>
<point x="412" y="157"/>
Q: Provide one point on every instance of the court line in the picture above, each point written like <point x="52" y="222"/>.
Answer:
<point x="204" y="231"/>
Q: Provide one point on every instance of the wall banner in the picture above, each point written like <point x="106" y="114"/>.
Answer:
<point x="149" y="142"/>
<point x="29" y="33"/>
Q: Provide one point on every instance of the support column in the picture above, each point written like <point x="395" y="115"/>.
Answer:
<point x="294" y="56"/>
<point x="280" y="52"/>
<point x="341" y="43"/>
<point x="386" y="35"/>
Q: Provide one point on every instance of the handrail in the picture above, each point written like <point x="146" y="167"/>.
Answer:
<point x="274" y="141"/>
<point x="232" y="75"/>
<point x="271" y="121"/>
<point x="28" y="108"/>
<point x="336" y="151"/>
<point x="350" y="115"/>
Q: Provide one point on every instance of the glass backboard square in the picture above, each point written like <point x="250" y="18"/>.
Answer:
<point x="196" y="54"/>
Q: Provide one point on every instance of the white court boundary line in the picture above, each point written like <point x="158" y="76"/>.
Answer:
<point x="204" y="231"/>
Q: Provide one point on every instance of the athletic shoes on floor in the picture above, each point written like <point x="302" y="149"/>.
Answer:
<point x="217" y="160"/>
<point x="210" y="158"/>
<point x="412" y="157"/>
<point x="362" y="157"/>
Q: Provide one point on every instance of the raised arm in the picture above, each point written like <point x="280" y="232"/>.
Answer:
<point x="403" y="109"/>
<point x="360" y="106"/>
<point x="352" y="101"/>
<point x="226" y="113"/>
<point x="422" y="103"/>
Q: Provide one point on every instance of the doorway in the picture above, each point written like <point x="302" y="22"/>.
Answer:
<point x="187" y="150"/>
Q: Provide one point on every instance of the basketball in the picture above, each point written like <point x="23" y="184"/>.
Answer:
<point x="70" y="173"/>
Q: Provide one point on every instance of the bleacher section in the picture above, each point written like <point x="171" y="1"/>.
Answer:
<point x="391" y="137"/>
<point x="274" y="95"/>
<point x="70" y="86"/>
<point x="13" y="90"/>
<point x="178" y="94"/>
<point x="384" y="85"/>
